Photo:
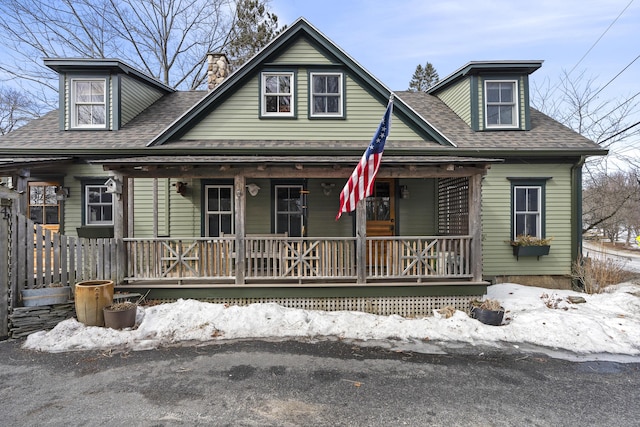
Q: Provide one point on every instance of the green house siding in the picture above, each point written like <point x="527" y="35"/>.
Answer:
<point x="323" y="209"/>
<point x="73" y="209"/>
<point x="417" y="213"/>
<point x="134" y="98"/>
<point x="301" y="52"/>
<point x="498" y="258"/>
<point x="238" y="117"/>
<point x="458" y="98"/>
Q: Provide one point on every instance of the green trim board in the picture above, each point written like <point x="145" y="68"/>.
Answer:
<point x="306" y="291"/>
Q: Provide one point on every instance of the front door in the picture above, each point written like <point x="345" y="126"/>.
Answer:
<point x="381" y="218"/>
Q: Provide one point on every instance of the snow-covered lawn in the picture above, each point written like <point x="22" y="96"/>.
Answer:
<point x="607" y="326"/>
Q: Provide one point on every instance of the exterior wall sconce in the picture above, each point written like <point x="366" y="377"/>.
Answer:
<point x="253" y="189"/>
<point x="181" y="187"/>
<point x="62" y="193"/>
<point x="404" y="191"/>
<point x="327" y="187"/>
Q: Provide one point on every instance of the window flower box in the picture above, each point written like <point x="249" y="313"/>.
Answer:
<point x="530" y="246"/>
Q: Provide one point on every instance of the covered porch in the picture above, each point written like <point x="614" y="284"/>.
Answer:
<point x="367" y="257"/>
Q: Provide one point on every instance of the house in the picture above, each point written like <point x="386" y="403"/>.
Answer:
<point x="231" y="194"/>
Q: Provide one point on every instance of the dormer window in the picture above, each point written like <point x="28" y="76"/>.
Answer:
<point x="278" y="94"/>
<point x="501" y="106"/>
<point x="88" y="98"/>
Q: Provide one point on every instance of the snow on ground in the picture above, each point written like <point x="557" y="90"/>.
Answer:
<point x="606" y="327"/>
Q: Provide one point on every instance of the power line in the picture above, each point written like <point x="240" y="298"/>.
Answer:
<point x="599" y="38"/>
<point x="614" y="77"/>
<point x="620" y="132"/>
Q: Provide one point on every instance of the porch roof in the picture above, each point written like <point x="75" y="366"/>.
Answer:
<point x="315" y="160"/>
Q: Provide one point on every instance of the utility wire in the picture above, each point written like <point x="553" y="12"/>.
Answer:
<point x="610" y="81"/>
<point x="599" y="38"/>
<point x="620" y="132"/>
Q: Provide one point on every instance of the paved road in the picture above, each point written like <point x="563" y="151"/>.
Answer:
<point x="257" y="383"/>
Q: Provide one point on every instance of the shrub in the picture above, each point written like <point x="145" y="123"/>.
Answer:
<point x="595" y="273"/>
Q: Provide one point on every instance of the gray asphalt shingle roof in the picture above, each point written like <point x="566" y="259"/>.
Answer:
<point x="43" y="134"/>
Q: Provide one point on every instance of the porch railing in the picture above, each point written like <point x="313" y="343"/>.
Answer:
<point x="294" y="258"/>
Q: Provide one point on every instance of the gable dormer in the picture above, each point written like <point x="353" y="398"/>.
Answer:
<point x="489" y="95"/>
<point x="102" y="94"/>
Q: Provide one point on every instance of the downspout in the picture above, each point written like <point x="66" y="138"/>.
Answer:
<point x="576" y="219"/>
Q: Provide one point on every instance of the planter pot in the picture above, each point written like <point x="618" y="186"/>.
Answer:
<point x="91" y="297"/>
<point x="120" y="319"/>
<point x="536" y="251"/>
<point x="488" y="317"/>
<point x="45" y="296"/>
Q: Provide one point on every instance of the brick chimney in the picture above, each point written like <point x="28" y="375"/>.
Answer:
<point x="217" y="70"/>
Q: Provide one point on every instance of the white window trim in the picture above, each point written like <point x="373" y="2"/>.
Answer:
<point x="74" y="117"/>
<point x="516" y="96"/>
<point x="218" y="212"/>
<point x="87" y="211"/>
<point x="538" y="212"/>
<point x="340" y="94"/>
<point x="264" y="94"/>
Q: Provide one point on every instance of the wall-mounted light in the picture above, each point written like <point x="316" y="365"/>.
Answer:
<point x="62" y="193"/>
<point x="253" y="189"/>
<point x="327" y="187"/>
<point x="181" y="187"/>
<point x="404" y="191"/>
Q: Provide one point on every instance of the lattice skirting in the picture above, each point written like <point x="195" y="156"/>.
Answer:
<point x="417" y="306"/>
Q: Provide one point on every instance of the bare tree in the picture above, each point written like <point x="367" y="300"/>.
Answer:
<point x="16" y="109"/>
<point x="168" y="39"/>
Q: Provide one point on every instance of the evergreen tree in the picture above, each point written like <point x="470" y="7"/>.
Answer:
<point x="423" y="78"/>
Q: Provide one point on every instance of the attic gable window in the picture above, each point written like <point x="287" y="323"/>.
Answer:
<point x="278" y="94"/>
<point x="501" y="106"/>
<point x="326" y="95"/>
<point x="88" y="98"/>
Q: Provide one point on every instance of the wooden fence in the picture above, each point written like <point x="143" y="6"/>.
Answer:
<point x="37" y="257"/>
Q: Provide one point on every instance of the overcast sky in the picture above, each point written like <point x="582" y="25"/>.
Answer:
<point x="390" y="38"/>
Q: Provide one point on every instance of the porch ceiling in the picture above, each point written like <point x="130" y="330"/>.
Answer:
<point x="309" y="166"/>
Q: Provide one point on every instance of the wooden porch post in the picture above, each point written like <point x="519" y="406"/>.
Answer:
<point x="361" y="241"/>
<point x="475" y="225"/>
<point x="119" y="230"/>
<point x="239" y="182"/>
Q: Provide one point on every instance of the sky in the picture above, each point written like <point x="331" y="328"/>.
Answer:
<point x="537" y="320"/>
<point x="390" y="38"/>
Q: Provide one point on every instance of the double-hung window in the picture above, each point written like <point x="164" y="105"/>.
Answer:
<point x="219" y="210"/>
<point x="326" y="95"/>
<point x="527" y="210"/>
<point x="89" y="106"/>
<point x="98" y="205"/>
<point x="278" y="94"/>
<point x="289" y="210"/>
<point x="501" y="106"/>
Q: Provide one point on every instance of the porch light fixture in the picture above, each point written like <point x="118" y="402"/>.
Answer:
<point x="404" y="191"/>
<point x="253" y="189"/>
<point x="62" y="193"/>
<point x="327" y="187"/>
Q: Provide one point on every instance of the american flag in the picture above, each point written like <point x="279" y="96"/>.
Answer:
<point x="360" y="184"/>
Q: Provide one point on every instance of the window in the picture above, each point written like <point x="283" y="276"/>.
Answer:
<point x="43" y="207"/>
<point x="277" y="94"/>
<point x="89" y="103"/>
<point x="98" y="205"/>
<point x="501" y="104"/>
<point x="289" y="210"/>
<point x="326" y="94"/>
<point x="527" y="211"/>
<point x="218" y="210"/>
